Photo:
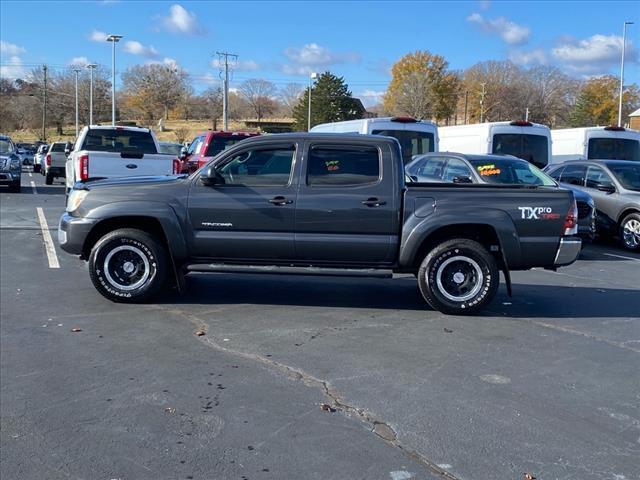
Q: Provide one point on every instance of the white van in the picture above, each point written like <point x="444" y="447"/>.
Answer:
<point x="593" y="143"/>
<point x="415" y="136"/>
<point x="526" y="140"/>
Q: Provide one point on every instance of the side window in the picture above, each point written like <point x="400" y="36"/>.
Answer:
<point x="267" y="167"/>
<point x="595" y="176"/>
<point x="555" y="173"/>
<point x="329" y="165"/>
<point x="431" y="169"/>
<point x="456" y="168"/>
<point x="574" y="175"/>
<point x="195" y="146"/>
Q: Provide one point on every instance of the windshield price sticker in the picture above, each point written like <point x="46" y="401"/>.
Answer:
<point x="486" y="170"/>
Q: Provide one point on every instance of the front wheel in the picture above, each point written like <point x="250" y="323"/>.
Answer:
<point x="630" y="232"/>
<point x="458" y="277"/>
<point x="128" y="266"/>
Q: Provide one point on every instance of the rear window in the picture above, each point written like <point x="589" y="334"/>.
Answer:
<point x="218" y="144"/>
<point x="411" y="142"/>
<point x="613" y="149"/>
<point x="58" y="147"/>
<point x="510" y="171"/>
<point x="339" y="165"/>
<point x="532" y="148"/>
<point x="103" y="140"/>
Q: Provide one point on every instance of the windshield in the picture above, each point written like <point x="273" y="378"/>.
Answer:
<point x="627" y="175"/>
<point x="510" y="171"/>
<point x="218" y="144"/>
<point x="5" y="146"/>
<point x="614" y="149"/>
<point x="118" y="140"/>
<point x="532" y="148"/>
<point x="171" y="148"/>
<point x="411" y="142"/>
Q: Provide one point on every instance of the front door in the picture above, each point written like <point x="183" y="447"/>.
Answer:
<point x="250" y="215"/>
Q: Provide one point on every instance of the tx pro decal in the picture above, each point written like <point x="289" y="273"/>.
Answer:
<point x="538" y="213"/>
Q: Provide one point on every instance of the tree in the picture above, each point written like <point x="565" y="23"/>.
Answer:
<point x="597" y="102"/>
<point x="331" y="101"/>
<point x="422" y="87"/>
<point x="213" y="101"/>
<point x="290" y="96"/>
<point x="258" y="93"/>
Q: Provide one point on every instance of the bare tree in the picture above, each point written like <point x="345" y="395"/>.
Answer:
<point x="213" y="104"/>
<point x="415" y="96"/>
<point x="259" y="94"/>
<point x="290" y="96"/>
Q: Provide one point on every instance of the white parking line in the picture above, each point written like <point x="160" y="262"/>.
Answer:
<point x="621" y="256"/>
<point x="33" y="187"/>
<point x="30" y="174"/>
<point x="48" y="242"/>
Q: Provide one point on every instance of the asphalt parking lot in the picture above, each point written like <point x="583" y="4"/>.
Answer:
<point x="544" y="383"/>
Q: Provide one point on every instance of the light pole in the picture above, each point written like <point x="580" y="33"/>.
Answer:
<point x="91" y="67"/>
<point x="76" y="70"/>
<point x="312" y="76"/>
<point x="114" y="39"/>
<point x="624" y="41"/>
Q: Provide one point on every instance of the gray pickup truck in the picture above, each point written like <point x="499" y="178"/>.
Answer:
<point x="316" y="204"/>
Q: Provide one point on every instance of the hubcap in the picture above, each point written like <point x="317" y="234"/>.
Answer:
<point x="631" y="233"/>
<point x="459" y="278"/>
<point x="126" y="267"/>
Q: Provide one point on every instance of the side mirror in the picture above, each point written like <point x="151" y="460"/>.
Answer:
<point x="210" y="177"/>
<point x="462" y="179"/>
<point x="67" y="151"/>
<point x="606" y="187"/>
<point x="183" y="153"/>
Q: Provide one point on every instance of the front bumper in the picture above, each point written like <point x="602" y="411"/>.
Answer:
<point x="73" y="232"/>
<point x="568" y="251"/>
<point x="8" y="177"/>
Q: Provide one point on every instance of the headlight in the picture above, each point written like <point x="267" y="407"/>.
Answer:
<point x="75" y="199"/>
<point x="15" y="162"/>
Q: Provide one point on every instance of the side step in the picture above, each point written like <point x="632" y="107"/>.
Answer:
<point x="274" y="269"/>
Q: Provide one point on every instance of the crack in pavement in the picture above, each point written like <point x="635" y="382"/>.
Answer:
<point x="378" y="426"/>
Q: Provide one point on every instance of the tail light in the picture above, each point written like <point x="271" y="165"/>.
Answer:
<point x="521" y="123"/>
<point x="404" y="120"/>
<point x="614" y="128"/>
<point x="48" y="159"/>
<point x="177" y="166"/>
<point x="84" y="167"/>
<point x="571" y="220"/>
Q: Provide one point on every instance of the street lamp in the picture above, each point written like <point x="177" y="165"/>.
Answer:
<point x="76" y="70"/>
<point x="91" y="67"/>
<point x="114" y="39"/>
<point x="624" y="41"/>
<point x="312" y="76"/>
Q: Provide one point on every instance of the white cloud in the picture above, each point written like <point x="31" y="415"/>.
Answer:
<point x="7" y="48"/>
<point x="79" y="61"/>
<point x="136" y="48"/>
<point x="167" y="61"/>
<point x="509" y="31"/>
<point x="180" y="20"/>
<point x="312" y="57"/>
<point x="532" y="57"/>
<point x="13" y="68"/>
<point x="238" y="65"/>
<point x="98" y="36"/>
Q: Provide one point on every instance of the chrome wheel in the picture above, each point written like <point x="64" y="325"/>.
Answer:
<point x="126" y="267"/>
<point x="459" y="278"/>
<point x="631" y="233"/>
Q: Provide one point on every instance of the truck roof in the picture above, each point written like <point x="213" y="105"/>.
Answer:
<point x="118" y="127"/>
<point x="337" y="137"/>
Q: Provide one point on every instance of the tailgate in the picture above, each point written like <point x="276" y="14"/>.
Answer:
<point x="122" y="164"/>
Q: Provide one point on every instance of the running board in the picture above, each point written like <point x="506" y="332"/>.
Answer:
<point x="333" y="272"/>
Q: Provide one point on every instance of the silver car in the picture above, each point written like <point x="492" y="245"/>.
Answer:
<point x="614" y="186"/>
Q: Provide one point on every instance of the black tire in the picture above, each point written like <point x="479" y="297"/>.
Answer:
<point x="15" y="187"/>
<point x="629" y="232"/>
<point x="36" y="168"/>
<point x="458" y="277"/>
<point x="49" y="179"/>
<point x="128" y="266"/>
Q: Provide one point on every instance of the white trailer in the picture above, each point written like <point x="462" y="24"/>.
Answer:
<point x="415" y="136"/>
<point x="593" y="143"/>
<point x="526" y="140"/>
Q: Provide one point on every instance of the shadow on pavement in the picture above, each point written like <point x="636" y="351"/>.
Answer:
<point x="48" y="190"/>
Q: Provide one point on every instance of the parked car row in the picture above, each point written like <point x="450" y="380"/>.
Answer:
<point x="10" y="164"/>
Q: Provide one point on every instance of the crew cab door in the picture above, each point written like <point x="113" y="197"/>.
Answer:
<point x="250" y="215"/>
<point x="348" y="204"/>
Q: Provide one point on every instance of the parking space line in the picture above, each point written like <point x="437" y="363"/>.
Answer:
<point x="30" y="174"/>
<point x="33" y="187"/>
<point x="621" y="256"/>
<point x="48" y="241"/>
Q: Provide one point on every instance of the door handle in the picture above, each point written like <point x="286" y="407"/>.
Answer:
<point x="373" y="202"/>
<point x="279" y="200"/>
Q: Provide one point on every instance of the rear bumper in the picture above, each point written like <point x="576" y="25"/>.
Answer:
<point x="73" y="232"/>
<point x="568" y="251"/>
<point x="56" y="171"/>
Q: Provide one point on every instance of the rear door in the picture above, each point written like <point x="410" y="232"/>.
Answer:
<point x="347" y="209"/>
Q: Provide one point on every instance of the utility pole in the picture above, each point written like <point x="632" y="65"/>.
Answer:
<point x="114" y="39"/>
<point x="77" y="71"/>
<point x="466" y="101"/>
<point x="624" y="41"/>
<point x="225" y="90"/>
<point x="44" y="105"/>
<point x="91" y="67"/>
<point x="526" y="115"/>
<point x="312" y="76"/>
<point x="482" y="94"/>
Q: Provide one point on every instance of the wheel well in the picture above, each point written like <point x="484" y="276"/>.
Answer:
<point x="147" y="224"/>
<point x="481" y="233"/>
<point x="626" y="212"/>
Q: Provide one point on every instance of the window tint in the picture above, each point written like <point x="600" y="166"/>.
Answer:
<point x="218" y="144"/>
<point x="455" y="168"/>
<point x="510" y="171"/>
<point x="195" y="145"/>
<point x="411" y="142"/>
<point x="597" y="175"/>
<point x="532" y="148"/>
<point x="614" y="149"/>
<point x="58" y="147"/>
<point x="107" y="140"/>
<point x="6" y="146"/>
<point x="627" y="175"/>
<point x="555" y="173"/>
<point x="343" y="165"/>
<point x="259" y="168"/>
<point x="428" y="169"/>
<point x="574" y="175"/>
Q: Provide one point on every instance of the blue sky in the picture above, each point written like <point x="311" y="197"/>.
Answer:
<point x="283" y="41"/>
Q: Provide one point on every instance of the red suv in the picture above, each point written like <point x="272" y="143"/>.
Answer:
<point x="209" y="144"/>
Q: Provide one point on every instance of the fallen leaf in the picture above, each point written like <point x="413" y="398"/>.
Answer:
<point x="76" y="329"/>
<point x="325" y="407"/>
<point x="448" y="330"/>
<point x="199" y="333"/>
<point x="528" y="476"/>
<point x="170" y="410"/>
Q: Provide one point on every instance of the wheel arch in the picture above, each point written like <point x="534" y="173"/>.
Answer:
<point x="627" y="211"/>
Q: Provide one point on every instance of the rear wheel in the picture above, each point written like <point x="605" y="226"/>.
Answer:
<point x="49" y="179"/>
<point x="128" y="265"/>
<point x="630" y="231"/>
<point x="36" y="168"/>
<point x="458" y="277"/>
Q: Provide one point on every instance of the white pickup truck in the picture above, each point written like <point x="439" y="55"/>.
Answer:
<point x="109" y="152"/>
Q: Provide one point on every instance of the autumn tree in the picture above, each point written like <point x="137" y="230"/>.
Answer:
<point x="290" y="96"/>
<point x="597" y="102"/>
<point x="422" y="87"/>
<point x="331" y="101"/>
<point x="259" y="95"/>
